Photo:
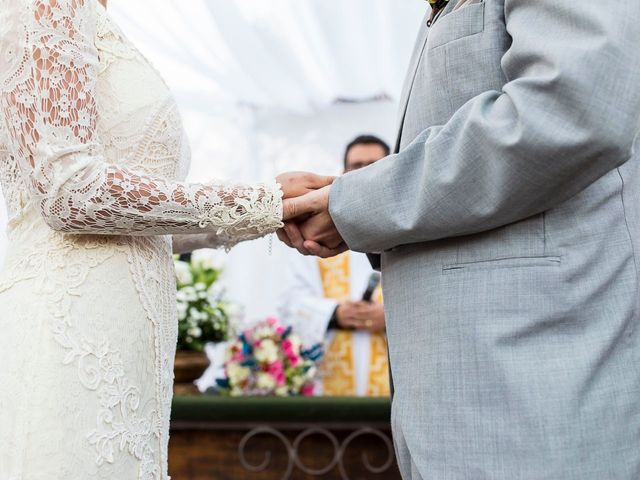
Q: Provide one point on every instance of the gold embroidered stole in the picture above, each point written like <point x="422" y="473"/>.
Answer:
<point x="338" y="365"/>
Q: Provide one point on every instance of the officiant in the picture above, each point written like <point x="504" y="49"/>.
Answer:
<point x="338" y="301"/>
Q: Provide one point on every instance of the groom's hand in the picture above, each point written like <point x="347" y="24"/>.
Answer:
<point x="295" y="184"/>
<point x="309" y="227"/>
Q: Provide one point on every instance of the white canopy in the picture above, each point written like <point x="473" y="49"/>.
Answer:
<point x="295" y="55"/>
<point x="267" y="86"/>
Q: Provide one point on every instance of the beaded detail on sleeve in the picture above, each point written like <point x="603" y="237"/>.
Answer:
<point x="48" y="73"/>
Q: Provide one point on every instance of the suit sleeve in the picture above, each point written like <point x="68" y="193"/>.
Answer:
<point x="567" y="115"/>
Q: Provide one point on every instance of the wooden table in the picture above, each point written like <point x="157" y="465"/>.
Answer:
<point x="281" y="438"/>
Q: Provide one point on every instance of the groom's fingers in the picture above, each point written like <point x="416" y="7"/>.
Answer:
<point x="295" y="237"/>
<point x="290" y="209"/>
<point x="321" y="251"/>
<point x="282" y="236"/>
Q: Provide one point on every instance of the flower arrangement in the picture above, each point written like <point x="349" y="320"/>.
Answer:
<point x="203" y="313"/>
<point x="267" y="360"/>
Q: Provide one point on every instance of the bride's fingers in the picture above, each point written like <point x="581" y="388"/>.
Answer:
<point x="297" y="207"/>
<point x="294" y="184"/>
<point x="319" y="181"/>
<point x="321" y="251"/>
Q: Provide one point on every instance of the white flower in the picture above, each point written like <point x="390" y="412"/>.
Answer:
<point x="237" y="373"/>
<point x="200" y="287"/>
<point x="195" y="332"/>
<point x="262" y="332"/>
<point x="265" y="381"/>
<point x="295" y="342"/>
<point x="181" y="296"/>
<point x="282" y="391"/>
<point x="236" y="392"/>
<point x="197" y="317"/>
<point x="311" y="373"/>
<point x="194" y="314"/>
<point x="208" y="260"/>
<point x="188" y="294"/>
<point x="183" y="273"/>
<point x="267" y="352"/>
<point x="182" y="310"/>
<point x="298" y="381"/>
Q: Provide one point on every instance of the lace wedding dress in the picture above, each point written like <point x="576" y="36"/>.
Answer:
<point x="91" y="146"/>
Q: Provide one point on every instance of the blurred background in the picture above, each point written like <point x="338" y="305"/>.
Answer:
<point x="268" y="86"/>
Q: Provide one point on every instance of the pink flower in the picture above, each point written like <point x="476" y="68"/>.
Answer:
<point x="294" y="360"/>
<point x="271" y="321"/>
<point x="307" y="390"/>
<point x="276" y="369"/>
<point x="289" y="352"/>
<point x="280" y="330"/>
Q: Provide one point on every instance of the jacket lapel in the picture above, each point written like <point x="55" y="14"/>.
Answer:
<point x="411" y="75"/>
<point x="418" y="50"/>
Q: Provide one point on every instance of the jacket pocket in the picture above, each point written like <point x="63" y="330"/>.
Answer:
<point x="498" y="263"/>
<point x="463" y="22"/>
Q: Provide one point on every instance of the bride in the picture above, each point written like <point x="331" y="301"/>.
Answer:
<point x="91" y="147"/>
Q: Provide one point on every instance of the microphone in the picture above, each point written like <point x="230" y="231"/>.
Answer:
<point x="374" y="281"/>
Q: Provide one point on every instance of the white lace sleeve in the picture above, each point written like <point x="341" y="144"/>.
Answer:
<point x="50" y="108"/>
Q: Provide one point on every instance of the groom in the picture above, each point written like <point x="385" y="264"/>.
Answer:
<point x="508" y="229"/>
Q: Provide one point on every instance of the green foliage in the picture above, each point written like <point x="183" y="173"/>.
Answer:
<point x="202" y="310"/>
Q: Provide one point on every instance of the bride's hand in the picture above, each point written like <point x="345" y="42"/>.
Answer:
<point x="295" y="184"/>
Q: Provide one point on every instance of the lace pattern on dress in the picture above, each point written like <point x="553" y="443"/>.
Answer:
<point x="161" y="311"/>
<point x="123" y="424"/>
<point x="51" y="113"/>
<point x="111" y="43"/>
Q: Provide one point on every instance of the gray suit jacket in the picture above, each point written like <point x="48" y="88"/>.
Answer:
<point x="509" y="226"/>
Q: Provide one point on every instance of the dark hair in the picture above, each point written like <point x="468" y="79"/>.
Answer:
<point x="366" y="140"/>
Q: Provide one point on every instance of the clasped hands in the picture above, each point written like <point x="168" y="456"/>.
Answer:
<point x="308" y="226"/>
